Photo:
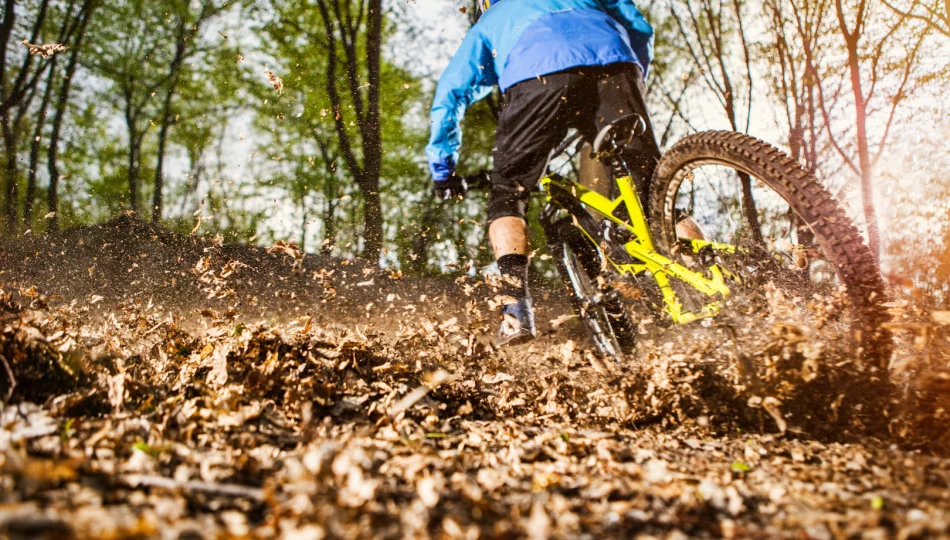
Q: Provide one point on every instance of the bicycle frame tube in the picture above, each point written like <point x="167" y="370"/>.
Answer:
<point x="641" y="247"/>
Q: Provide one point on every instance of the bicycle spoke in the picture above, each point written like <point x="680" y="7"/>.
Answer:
<point x="712" y="195"/>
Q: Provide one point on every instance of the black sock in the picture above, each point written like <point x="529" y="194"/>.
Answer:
<point x="514" y="275"/>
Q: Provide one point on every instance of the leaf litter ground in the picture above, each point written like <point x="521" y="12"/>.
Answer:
<point x="168" y="386"/>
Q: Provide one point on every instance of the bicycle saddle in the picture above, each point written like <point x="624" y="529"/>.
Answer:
<point x="619" y="133"/>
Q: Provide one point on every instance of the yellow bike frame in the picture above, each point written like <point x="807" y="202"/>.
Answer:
<point x="642" y="249"/>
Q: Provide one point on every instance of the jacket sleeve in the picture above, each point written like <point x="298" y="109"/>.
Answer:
<point x="468" y="78"/>
<point x="639" y="30"/>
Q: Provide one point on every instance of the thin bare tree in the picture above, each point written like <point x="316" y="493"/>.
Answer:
<point x="70" y="24"/>
<point x="935" y="13"/>
<point x="62" y="106"/>
<point x="20" y="74"/>
<point x="187" y="25"/>
<point x="353" y="33"/>
<point x="796" y="26"/>
<point x="711" y="32"/>
<point x="879" y="58"/>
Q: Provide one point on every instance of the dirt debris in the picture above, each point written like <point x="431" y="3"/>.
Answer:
<point x="163" y="400"/>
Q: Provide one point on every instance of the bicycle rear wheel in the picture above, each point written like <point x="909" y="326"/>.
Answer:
<point x="599" y="306"/>
<point x="787" y="227"/>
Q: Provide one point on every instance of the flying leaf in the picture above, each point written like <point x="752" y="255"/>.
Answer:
<point x="276" y="81"/>
<point x="46" y="51"/>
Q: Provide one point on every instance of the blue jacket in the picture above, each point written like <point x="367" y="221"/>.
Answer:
<point x="517" y="40"/>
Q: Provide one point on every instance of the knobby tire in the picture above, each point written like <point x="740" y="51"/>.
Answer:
<point x="839" y="239"/>
<point x="609" y="323"/>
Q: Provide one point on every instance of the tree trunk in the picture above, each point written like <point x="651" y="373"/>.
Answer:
<point x="25" y="80"/>
<point x="870" y="214"/>
<point x="748" y="207"/>
<point x="715" y="60"/>
<point x="366" y="175"/>
<point x="372" y="224"/>
<point x="6" y="29"/>
<point x="303" y="227"/>
<point x="12" y="130"/>
<point x="61" y="108"/>
<point x="811" y="149"/>
<point x="796" y="133"/>
<point x="11" y="185"/>
<point x="372" y="137"/>
<point x="35" y="147"/>
<point x="18" y="96"/>
<point x="329" y="214"/>
<point x="860" y="113"/>
<point x="131" y="119"/>
<point x="864" y="157"/>
<point x="157" y="201"/>
<point x="133" y="179"/>
<point x="174" y="73"/>
<point x="419" y="256"/>
<point x="748" y="202"/>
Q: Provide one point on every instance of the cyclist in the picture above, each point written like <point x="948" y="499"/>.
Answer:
<point x="560" y="64"/>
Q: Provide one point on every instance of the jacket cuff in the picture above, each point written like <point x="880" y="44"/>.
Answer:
<point x="443" y="169"/>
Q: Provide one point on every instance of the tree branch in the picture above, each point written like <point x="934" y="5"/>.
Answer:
<point x="927" y="20"/>
<point x="748" y="63"/>
<point x="712" y="84"/>
<point x="895" y="101"/>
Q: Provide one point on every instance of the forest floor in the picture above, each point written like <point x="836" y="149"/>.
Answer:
<point x="171" y="386"/>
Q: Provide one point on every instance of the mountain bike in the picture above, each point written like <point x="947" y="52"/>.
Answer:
<point x="726" y="213"/>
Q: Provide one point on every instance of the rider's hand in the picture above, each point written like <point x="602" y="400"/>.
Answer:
<point x="450" y="188"/>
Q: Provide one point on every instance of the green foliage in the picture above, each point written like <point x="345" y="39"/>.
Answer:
<point x="250" y="161"/>
<point x="305" y="158"/>
<point x="740" y="467"/>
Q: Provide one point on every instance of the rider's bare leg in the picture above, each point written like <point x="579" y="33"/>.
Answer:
<point x="509" y="240"/>
<point x="509" y="236"/>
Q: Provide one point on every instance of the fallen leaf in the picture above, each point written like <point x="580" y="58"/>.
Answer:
<point x="218" y="376"/>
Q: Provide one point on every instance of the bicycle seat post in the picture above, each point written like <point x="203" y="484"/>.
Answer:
<point x="615" y="136"/>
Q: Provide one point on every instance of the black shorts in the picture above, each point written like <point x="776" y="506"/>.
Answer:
<point x="537" y="114"/>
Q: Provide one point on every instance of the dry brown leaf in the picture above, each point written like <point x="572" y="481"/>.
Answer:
<point x="432" y="381"/>
<point x="117" y="391"/>
<point x="497" y="378"/>
<point x="275" y="81"/>
<point x="46" y="51"/>
<point x="218" y="375"/>
<point x="567" y="352"/>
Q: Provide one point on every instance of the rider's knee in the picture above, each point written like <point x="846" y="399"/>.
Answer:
<point x="507" y="205"/>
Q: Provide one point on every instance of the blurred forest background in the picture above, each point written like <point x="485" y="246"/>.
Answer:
<point x="306" y="120"/>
